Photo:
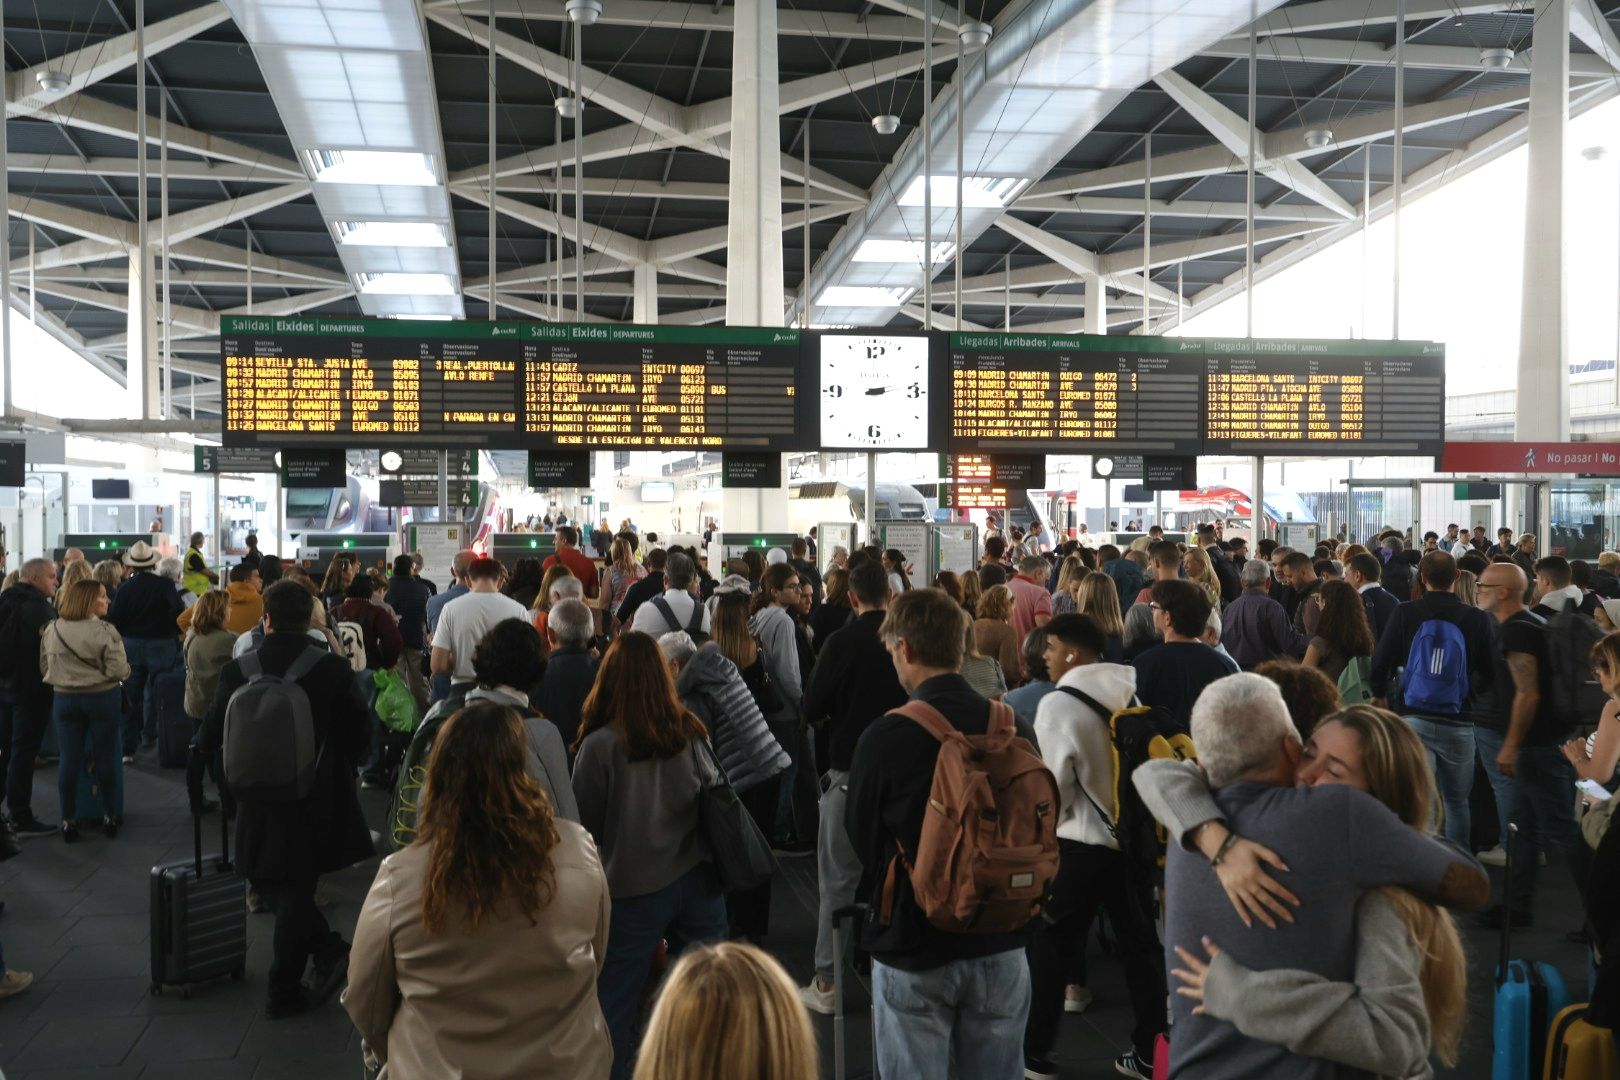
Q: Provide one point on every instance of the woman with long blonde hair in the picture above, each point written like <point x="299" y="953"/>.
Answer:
<point x="1064" y="599"/>
<point x="1097" y="598"/>
<point x="1201" y="572"/>
<point x="1408" y="995"/>
<point x="728" y="1012"/>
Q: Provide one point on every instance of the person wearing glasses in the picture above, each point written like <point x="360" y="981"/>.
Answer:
<point x="774" y="627"/>
<point x="1174" y="673"/>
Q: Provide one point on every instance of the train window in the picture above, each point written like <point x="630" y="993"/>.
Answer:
<point x="344" y="512"/>
<point x="913" y="512"/>
<point x="308" y="502"/>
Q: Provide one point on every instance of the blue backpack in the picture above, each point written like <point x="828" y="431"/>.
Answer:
<point x="1436" y="679"/>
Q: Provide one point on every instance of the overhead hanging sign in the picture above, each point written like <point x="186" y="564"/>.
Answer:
<point x="313" y="469"/>
<point x="424" y="491"/>
<point x="234" y="459"/>
<point x="1567" y="458"/>
<point x="994" y="481"/>
<point x="559" y="468"/>
<point x="750" y="470"/>
<point x="13" y="470"/>
<point x="1169" y="473"/>
<point x="420" y="462"/>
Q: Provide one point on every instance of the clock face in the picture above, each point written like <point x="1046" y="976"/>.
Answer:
<point x="874" y="392"/>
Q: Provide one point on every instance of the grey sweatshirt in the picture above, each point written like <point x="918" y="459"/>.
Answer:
<point x="1338" y="843"/>
<point x="547" y="758"/>
<point x="1377" y="1021"/>
<point x="773" y="626"/>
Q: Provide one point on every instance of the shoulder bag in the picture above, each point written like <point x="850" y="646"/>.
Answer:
<point x="742" y="856"/>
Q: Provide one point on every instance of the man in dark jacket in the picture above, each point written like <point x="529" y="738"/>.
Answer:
<point x="1363" y="571"/>
<point x="144" y="610"/>
<point x="408" y="596"/>
<point x="1226" y="571"/>
<point x="25" y="697"/>
<point x="852" y="684"/>
<point x="1397" y="577"/>
<point x="1127" y="576"/>
<point x="943" y="1004"/>
<point x="644" y="590"/>
<point x="570" y="668"/>
<point x="1447" y="730"/>
<point x="284" y="847"/>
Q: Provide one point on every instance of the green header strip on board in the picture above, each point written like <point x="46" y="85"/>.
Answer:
<point x="1192" y="346"/>
<point x="515" y="331"/>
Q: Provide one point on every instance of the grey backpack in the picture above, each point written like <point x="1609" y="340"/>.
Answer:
<point x="270" y="751"/>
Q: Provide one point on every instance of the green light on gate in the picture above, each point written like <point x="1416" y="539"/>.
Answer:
<point x="102" y="544"/>
<point x="534" y="543"/>
<point x="348" y="543"/>
<point x="759" y="541"/>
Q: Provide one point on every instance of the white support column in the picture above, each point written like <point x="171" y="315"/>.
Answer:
<point x="754" y="292"/>
<point x="644" y="293"/>
<point x="1543" y="399"/>
<point x="1096" y="316"/>
<point x="141" y="369"/>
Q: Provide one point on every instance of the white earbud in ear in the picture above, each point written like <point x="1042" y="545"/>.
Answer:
<point x="1070" y="658"/>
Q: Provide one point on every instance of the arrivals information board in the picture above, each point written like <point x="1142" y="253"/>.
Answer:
<point x="378" y="382"/>
<point x="1325" y="397"/>
<point x="660" y="387"/>
<point x="1074" y="394"/>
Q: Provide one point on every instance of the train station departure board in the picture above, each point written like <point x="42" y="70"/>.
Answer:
<point x="1075" y="394"/>
<point x="1325" y="397"/>
<point x="660" y="387"/>
<point x="369" y="382"/>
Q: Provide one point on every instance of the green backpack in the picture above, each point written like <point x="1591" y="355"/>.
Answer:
<point x="1355" y="681"/>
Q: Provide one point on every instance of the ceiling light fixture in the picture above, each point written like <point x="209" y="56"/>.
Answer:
<point x="584" y="12"/>
<point x="53" y="82"/>
<point x="857" y="296"/>
<point x="975" y="35"/>
<point x="382" y="167"/>
<point x="568" y="107"/>
<point x="985" y="192"/>
<point x="1319" y="138"/>
<point x="390" y="283"/>
<point x="1495" y="59"/>
<point x="391" y="234"/>
<point x="886" y="123"/>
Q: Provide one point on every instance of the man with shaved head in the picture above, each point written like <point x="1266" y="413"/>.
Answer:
<point x="1519" y="736"/>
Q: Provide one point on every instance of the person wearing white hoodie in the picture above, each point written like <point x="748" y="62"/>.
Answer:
<point x="1071" y="727"/>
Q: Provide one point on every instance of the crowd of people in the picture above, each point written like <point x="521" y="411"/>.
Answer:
<point x="570" y="722"/>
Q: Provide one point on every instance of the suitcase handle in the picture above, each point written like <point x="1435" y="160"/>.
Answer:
<point x="224" y="841"/>
<point x="1507" y="904"/>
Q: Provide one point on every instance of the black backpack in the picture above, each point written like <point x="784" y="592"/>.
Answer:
<point x="1577" y="697"/>
<point x="694" y="628"/>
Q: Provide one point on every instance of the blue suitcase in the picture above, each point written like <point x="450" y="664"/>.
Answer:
<point x="1528" y="997"/>
<point x="173" y="725"/>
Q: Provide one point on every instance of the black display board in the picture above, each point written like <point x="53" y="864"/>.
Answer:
<point x="422" y="462"/>
<point x="1169" y="473"/>
<point x="661" y="387"/>
<point x="237" y="459"/>
<point x="314" y="469"/>
<point x="13" y="465"/>
<point x="994" y="481"/>
<point x="750" y="470"/>
<point x="1325" y="397"/>
<point x="559" y="468"/>
<point x="424" y="491"/>
<point x="380" y="382"/>
<point x="1075" y="394"/>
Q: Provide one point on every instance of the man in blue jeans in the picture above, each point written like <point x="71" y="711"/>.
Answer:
<point x="943" y="1004"/>
<point x="144" y="610"/>
<point x="1519" y="736"/>
<point x="1435" y="691"/>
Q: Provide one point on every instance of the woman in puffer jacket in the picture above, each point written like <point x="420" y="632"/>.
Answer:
<point x="710" y="686"/>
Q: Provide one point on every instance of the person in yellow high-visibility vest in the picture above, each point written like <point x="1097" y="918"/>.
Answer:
<point x="195" y="577"/>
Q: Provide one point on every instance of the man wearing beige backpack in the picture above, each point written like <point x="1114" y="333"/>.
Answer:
<point x="950" y="983"/>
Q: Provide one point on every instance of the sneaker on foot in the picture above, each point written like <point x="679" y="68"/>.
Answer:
<point x="1076" y="998"/>
<point x="1496" y="856"/>
<point x="15" y="982"/>
<point x="815" y="998"/>
<point x="32" y="826"/>
<point x="129" y="759"/>
<point x="1039" y="1069"/>
<point x="255" y="903"/>
<point x="1128" y="1064"/>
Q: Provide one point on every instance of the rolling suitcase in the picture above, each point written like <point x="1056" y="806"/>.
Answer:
<point x="199" y="917"/>
<point x="1577" y="1050"/>
<point x="173" y="725"/>
<point x="854" y="913"/>
<point x="1528" y="996"/>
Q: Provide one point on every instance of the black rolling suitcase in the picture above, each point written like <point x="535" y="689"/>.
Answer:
<point x="199" y="917"/>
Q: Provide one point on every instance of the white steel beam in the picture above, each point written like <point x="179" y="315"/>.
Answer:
<point x="93" y="63"/>
<point x="205" y="219"/>
<point x="659" y="15"/>
<point x="1202" y="209"/>
<point x="702" y="241"/>
<point x="1321" y="15"/>
<point x="1313" y="50"/>
<point x="546" y="312"/>
<point x="71" y="165"/>
<point x="1232" y="131"/>
<point x="611" y="187"/>
<point x="1587" y="23"/>
<point x="93" y="114"/>
<point x="544" y="276"/>
<point x="70" y="219"/>
<point x="938" y="320"/>
<point x="1204" y="246"/>
<point x="627" y="249"/>
<point x="1076" y="259"/>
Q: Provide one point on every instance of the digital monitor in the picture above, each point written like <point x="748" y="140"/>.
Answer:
<point x="1067" y="394"/>
<point x="603" y="386"/>
<point x="369" y="382"/>
<point x="109" y="489"/>
<point x="657" y="491"/>
<point x="1325" y="397"/>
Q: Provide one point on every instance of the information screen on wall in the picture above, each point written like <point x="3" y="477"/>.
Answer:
<point x="878" y="391"/>
<point x="1325" y="397"/>
<point x="994" y="482"/>
<point x="1073" y="394"/>
<point x="378" y="382"/>
<point x="660" y="387"/>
